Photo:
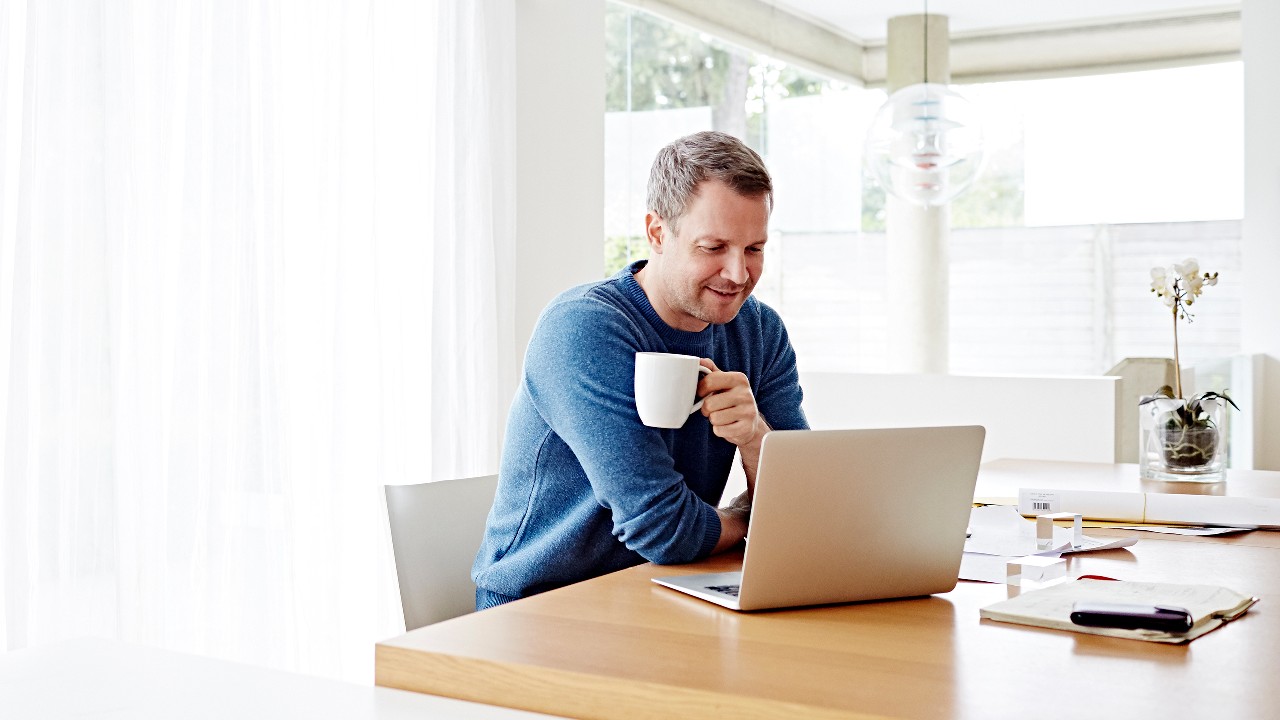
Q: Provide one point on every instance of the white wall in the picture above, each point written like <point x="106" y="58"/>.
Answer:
<point x="1031" y="418"/>
<point x="1034" y="418"/>
<point x="559" y="153"/>
<point x="1260" y="331"/>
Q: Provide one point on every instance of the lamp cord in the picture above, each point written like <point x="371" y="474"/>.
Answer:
<point x="926" y="42"/>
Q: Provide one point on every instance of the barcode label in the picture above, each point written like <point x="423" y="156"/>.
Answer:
<point x="1034" y="502"/>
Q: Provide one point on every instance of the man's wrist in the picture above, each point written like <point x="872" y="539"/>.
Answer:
<point x="762" y="429"/>
<point x="750" y="452"/>
<point x="733" y="526"/>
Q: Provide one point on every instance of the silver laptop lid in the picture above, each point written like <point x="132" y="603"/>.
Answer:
<point x="849" y="515"/>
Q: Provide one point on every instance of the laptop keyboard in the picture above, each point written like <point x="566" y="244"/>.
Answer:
<point x="725" y="589"/>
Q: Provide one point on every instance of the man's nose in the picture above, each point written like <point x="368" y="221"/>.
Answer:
<point x="735" y="268"/>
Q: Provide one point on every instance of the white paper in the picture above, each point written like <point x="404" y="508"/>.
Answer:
<point x="1193" y="531"/>
<point x="983" y="568"/>
<point x="987" y="568"/>
<point x="1088" y="544"/>
<point x="1000" y="530"/>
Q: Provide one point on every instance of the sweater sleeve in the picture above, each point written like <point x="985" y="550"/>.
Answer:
<point x="579" y="373"/>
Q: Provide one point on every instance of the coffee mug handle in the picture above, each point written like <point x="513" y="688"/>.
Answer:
<point x="702" y="370"/>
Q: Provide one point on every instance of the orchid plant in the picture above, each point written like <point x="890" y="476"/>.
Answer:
<point x="1178" y="287"/>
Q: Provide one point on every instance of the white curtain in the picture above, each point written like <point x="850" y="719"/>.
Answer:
<point x="254" y="264"/>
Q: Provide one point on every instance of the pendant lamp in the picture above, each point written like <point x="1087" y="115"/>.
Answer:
<point x="925" y="145"/>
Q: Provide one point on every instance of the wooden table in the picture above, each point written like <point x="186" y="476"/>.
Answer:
<point x="619" y="646"/>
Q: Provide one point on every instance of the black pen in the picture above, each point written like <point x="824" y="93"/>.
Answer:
<point x="1131" y="617"/>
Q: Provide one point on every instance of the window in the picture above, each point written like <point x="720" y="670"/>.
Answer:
<point x="1089" y="182"/>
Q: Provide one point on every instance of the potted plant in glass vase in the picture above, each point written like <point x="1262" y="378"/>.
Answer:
<point x="1182" y="439"/>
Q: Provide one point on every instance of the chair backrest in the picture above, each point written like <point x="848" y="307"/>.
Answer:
<point x="1138" y="377"/>
<point x="436" y="529"/>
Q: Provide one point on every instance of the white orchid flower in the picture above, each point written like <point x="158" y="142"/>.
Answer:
<point x="1181" y="283"/>
<point x="1193" y="285"/>
<point x="1188" y="268"/>
<point x="1178" y="286"/>
<point x="1162" y="285"/>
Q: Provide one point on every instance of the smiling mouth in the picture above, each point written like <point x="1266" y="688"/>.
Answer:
<point x="726" y="293"/>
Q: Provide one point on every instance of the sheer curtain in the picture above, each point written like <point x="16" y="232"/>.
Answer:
<point x="254" y="263"/>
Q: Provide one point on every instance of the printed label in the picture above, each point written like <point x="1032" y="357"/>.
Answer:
<point x="1038" y="501"/>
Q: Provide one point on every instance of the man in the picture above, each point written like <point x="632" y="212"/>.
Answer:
<point x="585" y="488"/>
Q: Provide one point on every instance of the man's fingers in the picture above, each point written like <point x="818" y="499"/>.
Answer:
<point x="730" y="415"/>
<point x="736" y="432"/>
<point x="726" y="399"/>
<point x="721" y="381"/>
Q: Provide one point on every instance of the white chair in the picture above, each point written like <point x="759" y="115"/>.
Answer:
<point x="436" y="529"/>
<point x="1138" y="377"/>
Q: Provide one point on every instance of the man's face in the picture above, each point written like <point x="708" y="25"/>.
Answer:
<point x="710" y="264"/>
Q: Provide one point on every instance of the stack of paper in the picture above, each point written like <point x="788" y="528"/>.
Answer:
<point x="1000" y="530"/>
<point x="999" y="533"/>
<point x="1210" y="606"/>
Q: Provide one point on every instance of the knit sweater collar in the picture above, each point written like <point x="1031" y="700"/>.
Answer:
<point x="673" y="336"/>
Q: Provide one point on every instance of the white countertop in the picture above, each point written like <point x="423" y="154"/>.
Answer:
<point x="109" y="680"/>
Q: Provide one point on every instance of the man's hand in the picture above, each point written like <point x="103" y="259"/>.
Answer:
<point x="731" y="406"/>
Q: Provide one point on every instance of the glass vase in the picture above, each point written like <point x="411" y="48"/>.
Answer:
<point x="1173" y="450"/>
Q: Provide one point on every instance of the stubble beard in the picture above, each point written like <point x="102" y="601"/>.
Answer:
<point x="691" y="304"/>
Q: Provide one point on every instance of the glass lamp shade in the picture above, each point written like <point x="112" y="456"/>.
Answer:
<point x="925" y="144"/>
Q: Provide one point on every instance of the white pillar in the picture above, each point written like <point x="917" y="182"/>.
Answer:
<point x="559" y="153"/>
<point x="1260" y="321"/>
<point x="916" y="236"/>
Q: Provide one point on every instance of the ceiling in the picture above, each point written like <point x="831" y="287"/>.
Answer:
<point x="989" y="40"/>
<point x="864" y="20"/>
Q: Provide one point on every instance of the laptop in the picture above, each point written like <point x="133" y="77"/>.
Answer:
<point x="844" y="516"/>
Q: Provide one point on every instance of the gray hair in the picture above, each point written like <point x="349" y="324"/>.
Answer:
<point x="707" y="155"/>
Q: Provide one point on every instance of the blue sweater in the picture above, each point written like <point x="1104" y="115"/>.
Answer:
<point x="585" y="488"/>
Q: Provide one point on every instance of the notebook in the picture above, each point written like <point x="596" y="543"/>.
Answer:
<point x="1210" y="606"/>
<point x="851" y="515"/>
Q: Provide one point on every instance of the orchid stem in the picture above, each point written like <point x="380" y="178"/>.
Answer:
<point x="1177" y="363"/>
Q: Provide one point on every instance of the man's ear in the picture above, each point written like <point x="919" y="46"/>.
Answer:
<point x="655" y="231"/>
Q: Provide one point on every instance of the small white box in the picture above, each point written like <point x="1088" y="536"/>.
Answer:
<point x="1044" y="529"/>
<point x="1034" y="568"/>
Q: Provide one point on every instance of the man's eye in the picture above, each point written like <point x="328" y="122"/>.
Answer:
<point x="711" y="248"/>
<point x="755" y="250"/>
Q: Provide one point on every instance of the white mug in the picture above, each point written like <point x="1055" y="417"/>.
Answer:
<point x="667" y="388"/>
